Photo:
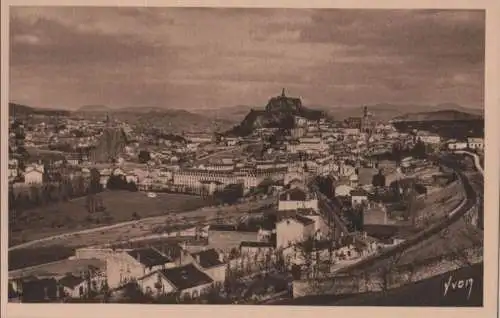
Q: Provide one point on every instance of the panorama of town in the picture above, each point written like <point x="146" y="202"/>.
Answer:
<point x="303" y="209"/>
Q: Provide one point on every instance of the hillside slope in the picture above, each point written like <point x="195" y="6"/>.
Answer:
<point x="23" y="110"/>
<point x="280" y="112"/>
<point x="440" y="115"/>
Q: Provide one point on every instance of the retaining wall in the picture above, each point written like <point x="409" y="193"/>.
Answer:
<point x="374" y="281"/>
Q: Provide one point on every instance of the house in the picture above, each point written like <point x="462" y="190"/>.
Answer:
<point x="358" y="196"/>
<point x="475" y="143"/>
<point x="74" y="158"/>
<point x="457" y="145"/>
<point x="13" y="168"/>
<point x="186" y="280"/>
<point x="73" y="286"/>
<point x="125" y="266"/>
<point x="131" y="177"/>
<point x="34" y="289"/>
<point x="291" y="230"/>
<point x="211" y="262"/>
<point x="297" y="198"/>
<point x="226" y="237"/>
<point x="256" y="249"/>
<point x="343" y="190"/>
<point x="33" y="175"/>
<point x="353" y="180"/>
<point x="346" y="170"/>
<point x="365" y="175"/>
<point x="293" y="176"/>
<point x="428" y="137"/>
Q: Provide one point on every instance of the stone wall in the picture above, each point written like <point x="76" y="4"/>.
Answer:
<point x="374" y="281"/>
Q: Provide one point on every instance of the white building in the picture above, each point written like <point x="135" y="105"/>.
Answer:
<point x="475" y="143"/>
<point x="297" y="198"/>
<point x="34" y="174"/>
<point x="292" y="230"/>
<point x="457" y="145"/>
<point x="126" y="266"/>
<point x="428" y="137"/>
<point x="358" y="197"/>
<point x="186" y="280"/>
<point x="13" y="168"/>
<point x="343" y="190"/>
<point x="307" y="145"/>
<point x="212" y="264"/>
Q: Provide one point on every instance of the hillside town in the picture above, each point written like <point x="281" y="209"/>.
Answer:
<point x="283" y="204"/>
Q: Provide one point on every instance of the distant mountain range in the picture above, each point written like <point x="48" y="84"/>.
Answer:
<point x="105" y="109"/>
<point x="440" y="115"/>
<point x="385" y="112"/>
<point x="246" y="117"/>
<point x="23" y="110"/>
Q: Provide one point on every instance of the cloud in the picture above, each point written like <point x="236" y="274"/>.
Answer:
<point x="206" y="57"/>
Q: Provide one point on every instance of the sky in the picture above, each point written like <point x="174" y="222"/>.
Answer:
<point x="192" y="58"/>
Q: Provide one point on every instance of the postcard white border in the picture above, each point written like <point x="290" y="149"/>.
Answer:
<point x="492" y="177"/>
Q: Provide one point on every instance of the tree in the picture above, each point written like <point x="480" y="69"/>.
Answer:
<point x="144" y="156"/>
<point x="133" y="294"/>
<point x="131" y="186"/>
<point x="230" y="194"/>
<point x="136" y="216"/>
<point x="378" y="180"/>
<point x="265" y="185"/>
<point x="419" y="150"/>
<point x="388" y="270"/>
<point x="306" y="249"/>
<point x="116" y="182"/>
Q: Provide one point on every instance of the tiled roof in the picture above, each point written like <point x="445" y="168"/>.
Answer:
<point x="149" y="257"/>
<point x="358" y="192"/>
<point x="208" y="258"/>
<point x="295" y="194"/>
<point x="71" y="281"/>
<point x="185" y="277"/>
<point x="256" y="244"/>
<point x="299" y="218"/>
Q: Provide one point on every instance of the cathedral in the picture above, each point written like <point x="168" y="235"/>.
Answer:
<point x="367" y="123"/>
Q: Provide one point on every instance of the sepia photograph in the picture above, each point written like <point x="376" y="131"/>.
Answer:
<point x="246" y="156"/>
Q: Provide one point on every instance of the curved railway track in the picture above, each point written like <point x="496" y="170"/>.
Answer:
<point x="469" y="202"/>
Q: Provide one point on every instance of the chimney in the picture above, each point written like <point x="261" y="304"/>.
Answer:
<point x="198" y="258"/>
<point x="138" y="257"/>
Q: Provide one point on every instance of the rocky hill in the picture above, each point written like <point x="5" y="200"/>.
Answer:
<point x="279" y="112"/>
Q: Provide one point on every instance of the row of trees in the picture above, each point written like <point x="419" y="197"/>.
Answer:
<point x="49" y="193"/>
<point x="116" y="182"/>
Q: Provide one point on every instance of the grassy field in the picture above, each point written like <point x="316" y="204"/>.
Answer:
<point x="120" y="206"/>
<point x="39" y="255"/>
<point x="63" y="247"/>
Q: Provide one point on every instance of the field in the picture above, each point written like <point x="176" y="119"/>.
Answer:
<point x="121" y="206"/>
<point x="62" y="247"/>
